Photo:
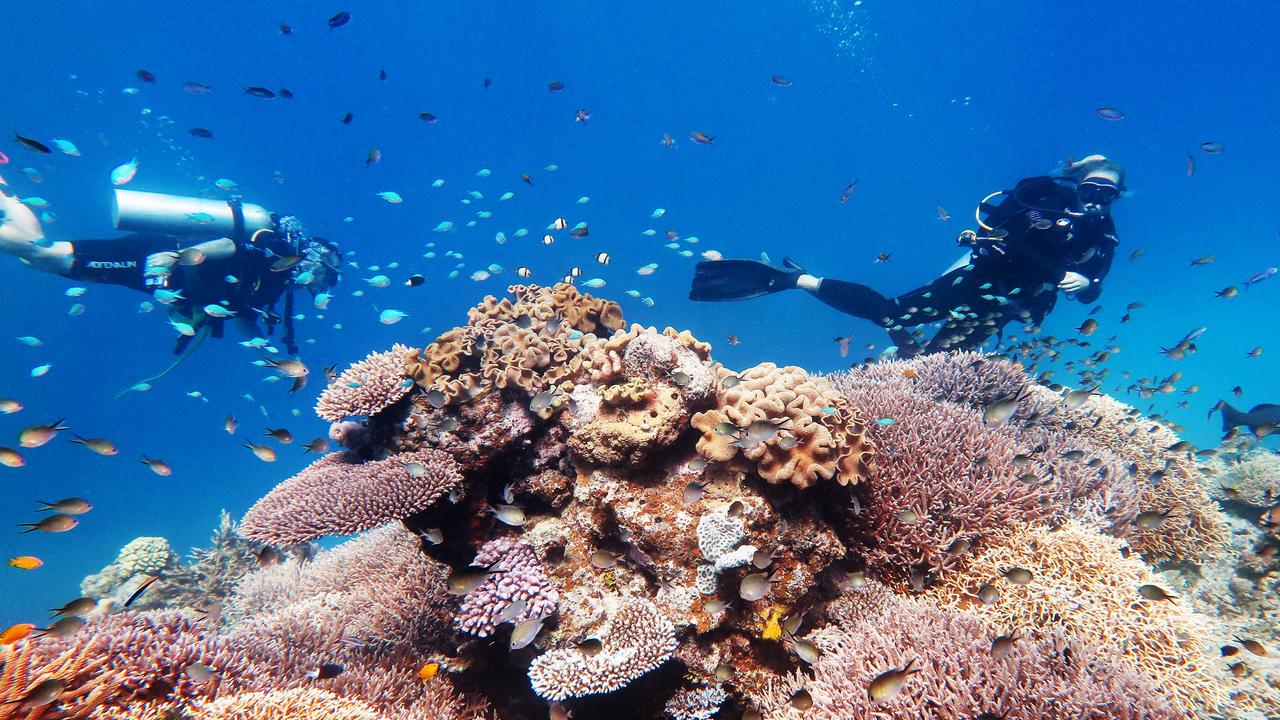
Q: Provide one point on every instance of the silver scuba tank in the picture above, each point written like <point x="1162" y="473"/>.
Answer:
<point x="135" y="211"/>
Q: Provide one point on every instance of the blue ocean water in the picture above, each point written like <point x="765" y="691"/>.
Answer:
<point x="921" y="103"/>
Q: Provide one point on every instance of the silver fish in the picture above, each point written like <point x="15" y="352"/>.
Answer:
<point x="526" y="632"/>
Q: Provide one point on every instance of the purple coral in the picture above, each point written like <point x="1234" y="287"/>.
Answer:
<point x="367" y="387"/>
<point x="336" y="496"/>
<point x="521" y="579"/>
<point x="639" y="639"/>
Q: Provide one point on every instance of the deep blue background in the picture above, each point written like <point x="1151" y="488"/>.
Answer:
<point x="921" y="102"/>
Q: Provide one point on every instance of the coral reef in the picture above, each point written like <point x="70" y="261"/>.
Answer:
<point x="141" y="558"/>
<point x="1083" y="581"/>
<point x="793" y="427"/>
<point x="637" y="639"/>
<point x="633" y="531"/>
<point x="521" y="580"/>
<point x="336" y="496"/>
<point x="532" y="343"/>
<point x="367" y="387"/>
<point x="961" y="678"/>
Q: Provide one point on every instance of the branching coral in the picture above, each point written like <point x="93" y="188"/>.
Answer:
<point x="942" y="481"/>
<point x="959" y="678"/>
<point x="336" y="496"/>
<point x="520" y="580"/>
<point x="793" y="427"/>
<point x="1254" y="481"/>
<point x="367" y="387"/>
<point x="1169" y="478"/>
<point x="1082" y="581"/>
<point x="123" y="659"/>
<point x="531" y="344"/>
<point x="639" y="638"/>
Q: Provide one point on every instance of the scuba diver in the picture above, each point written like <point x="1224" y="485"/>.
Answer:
<point x="208" y="261"/>
<point x="1048" y="234"/>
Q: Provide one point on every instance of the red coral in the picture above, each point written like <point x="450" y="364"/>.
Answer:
<point x="336" y="496"/>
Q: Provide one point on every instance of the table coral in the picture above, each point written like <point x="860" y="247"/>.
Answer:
<point x="337" y="496"/>
<point x="367" y="387"/>
<point x="638" y="639"/>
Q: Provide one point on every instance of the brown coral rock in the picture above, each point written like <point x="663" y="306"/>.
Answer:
<point x="530" y="344"/>
<point x="821" y="436"/>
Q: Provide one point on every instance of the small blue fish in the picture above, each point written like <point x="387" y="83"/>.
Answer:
<point x="67" y="147"/>
<point x="225" y="184"/>
<point x="829" y="410"/>
<point x="884" y="421"/>
<point x="203" y="218"/>
<point x="594" y="283"/>
<point x="444" y="226"/>
<point x="167" y="297"/>
<point x="123" y="174"/>
<point x="38" y="203"/>
<point x="391" y="197"/>
<point x="391" y="317"/>
<point x="41" y="370"/>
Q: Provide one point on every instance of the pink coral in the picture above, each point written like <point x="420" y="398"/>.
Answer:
<point x="521" y="580"/>
<point x="960" y="678"/>
<point x="367" y="387"/>
<point x="336" y="496"/>
<point x="639" y="639"/>
<point x="941" y="478"/>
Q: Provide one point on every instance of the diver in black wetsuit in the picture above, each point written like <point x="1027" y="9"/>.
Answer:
<point x="1048" y="234"/>
<point x="177" y="256"/>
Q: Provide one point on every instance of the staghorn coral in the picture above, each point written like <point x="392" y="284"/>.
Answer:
<point x="335" y="496"/>
<point x="960" y="679"/>
<point x="1194" y="531"/>
<point x="639" y="638"/>
<point x="521" y="580"/>
<point x="1252" y="481"/>
<point x="942" y="480"/>
<point x="531" y="344"/>
<point x="121" y="660"/>
<point x="374" y="588"/>
<point x="367" y="387"/>
<point x="817" y="433"/>
<point x="293" y="704"/>
<point x="699" y="704"/>
<point x="1082" y="582"/>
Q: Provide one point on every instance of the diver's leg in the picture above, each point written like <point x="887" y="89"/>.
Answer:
<point x="847" y="297"/>
<point x="22" y="237"/>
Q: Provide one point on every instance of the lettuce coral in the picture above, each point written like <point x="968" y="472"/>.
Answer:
<point x="813" y="433"/>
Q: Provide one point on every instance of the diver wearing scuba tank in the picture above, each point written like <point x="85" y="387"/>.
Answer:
<point x="206" y="260"/>
<point x="1047" y="234"/>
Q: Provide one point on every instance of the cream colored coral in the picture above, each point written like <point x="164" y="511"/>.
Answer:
<point x="1195" y="530"/>
<point x="821" y="436"/>
<point x="294" y="704"/>
<point x="145" y="555"/>
<point x="1082" y="581"/>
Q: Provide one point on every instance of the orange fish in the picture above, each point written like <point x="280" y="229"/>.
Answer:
<point x="909" y="374"/>
<point x="429" y="671"/>
<point x="16" y="633"/>
<point x="26" y="562"/>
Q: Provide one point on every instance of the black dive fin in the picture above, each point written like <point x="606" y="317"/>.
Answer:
<point x="738" y="280"/>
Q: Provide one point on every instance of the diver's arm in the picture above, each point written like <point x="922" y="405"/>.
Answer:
<point x="1096" y="267"/>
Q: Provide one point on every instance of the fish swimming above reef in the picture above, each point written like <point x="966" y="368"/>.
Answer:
<point x="1261" y="419"/>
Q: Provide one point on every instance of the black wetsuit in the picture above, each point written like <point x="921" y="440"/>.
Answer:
<point x="1038" y="234"/>
<point x="254" y="294"/>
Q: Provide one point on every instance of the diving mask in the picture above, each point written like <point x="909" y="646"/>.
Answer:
<point x="1096" y="193"/>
